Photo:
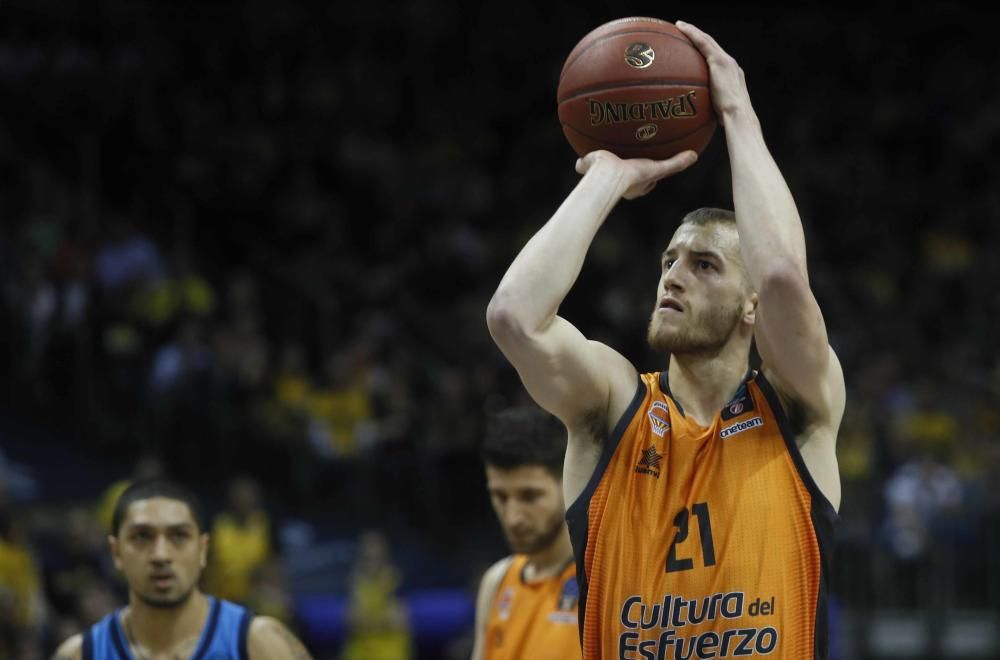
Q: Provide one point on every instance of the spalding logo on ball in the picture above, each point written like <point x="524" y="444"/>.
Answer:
<point x="638" y="88"/>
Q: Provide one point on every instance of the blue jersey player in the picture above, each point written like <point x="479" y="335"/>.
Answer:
<point x="158" y="542"/>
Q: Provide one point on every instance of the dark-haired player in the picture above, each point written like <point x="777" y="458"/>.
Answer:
<point x="158" y="542"/>
<point x="527" y="604"/>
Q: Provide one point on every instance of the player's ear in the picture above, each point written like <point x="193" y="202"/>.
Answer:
<point x="750" y="308"/>
<point x="203" y="550"/>
<point x="115" y="550"/>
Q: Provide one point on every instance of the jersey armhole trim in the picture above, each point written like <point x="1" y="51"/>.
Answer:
<point x="88" y="646"/>
<point x="244" y="634"/>
<point x="788" y="435"/>
<point x="607" y="452"/>
<point x="117" y="636"/>
<point x="507" y="562"/>
<point x="213" y="621"/>
<point x="823" y="515"/>
<point x="577" y="518"/>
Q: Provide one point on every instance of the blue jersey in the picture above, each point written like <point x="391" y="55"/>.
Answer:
<point x="224" y="636"/>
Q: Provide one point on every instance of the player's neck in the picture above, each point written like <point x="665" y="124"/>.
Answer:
<point x="703" y="384"/>
<point x="160" y="630"/>
<point x="552" y="560"/>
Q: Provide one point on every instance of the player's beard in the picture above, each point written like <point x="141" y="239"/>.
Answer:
<point x="543" y="539"/>
<point x="705" y="332"/>
<point x="166" y="602"/>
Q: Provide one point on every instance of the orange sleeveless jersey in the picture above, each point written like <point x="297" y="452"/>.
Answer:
<point x="533" y="619"/>
<point x="696" y="542"/>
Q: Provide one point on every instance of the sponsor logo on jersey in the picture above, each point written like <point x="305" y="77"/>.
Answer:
<point x="659" y="629"/>
<point x="504" y="604"/>
<point x="650" y="462"/>
<point x="741" y="405"/>
<point x="740" y="427"/>
<point x="564" y="617"/>
<point x="659" y="418"/>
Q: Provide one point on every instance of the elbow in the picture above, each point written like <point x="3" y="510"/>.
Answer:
<point x="783" y="274"/>
<point x="502" y="319"/>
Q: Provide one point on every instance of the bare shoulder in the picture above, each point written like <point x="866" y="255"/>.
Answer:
<point x="563" y="371"/>
<point x="494" y="574"/>
<point x="816" y="424"/>
<point x="593" y="424"/>
<point x="71" y="649"/>
<point x="590" y="430"/>
<point x="825" y="409"/>
<point x="270" y="639"/>
<point x="623" y="378"/>
<point x="488" y="586"/>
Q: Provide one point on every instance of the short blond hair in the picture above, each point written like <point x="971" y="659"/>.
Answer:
<point x="707" y="215"/>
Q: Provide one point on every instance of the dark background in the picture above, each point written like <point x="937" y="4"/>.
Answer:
<point x="259" y="238"/>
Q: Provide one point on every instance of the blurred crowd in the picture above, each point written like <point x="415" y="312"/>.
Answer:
<point x="260" y="239"/>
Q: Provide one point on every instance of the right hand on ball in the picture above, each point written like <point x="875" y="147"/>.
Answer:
<point x="638" y="175"/>
<point x="726" y="77"/>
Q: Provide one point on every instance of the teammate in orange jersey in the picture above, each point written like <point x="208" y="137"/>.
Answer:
<point x="701" y="498"/>
<point x="527" y="604"/>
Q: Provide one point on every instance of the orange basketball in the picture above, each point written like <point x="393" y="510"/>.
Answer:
<point x="638" y="88"/>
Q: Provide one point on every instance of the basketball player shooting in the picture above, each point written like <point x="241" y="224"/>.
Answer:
<point x="159" y="544"/>
<point x="701" y="498"/>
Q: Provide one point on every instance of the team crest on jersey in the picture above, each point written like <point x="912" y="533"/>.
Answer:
<point x="566" y="607"/>
<point x="650" y="462"/>
<point x="740" y="405"/>
<point x="659" y="418"/>
<point x="569" y="596"/>
<point x="505" y="603"/>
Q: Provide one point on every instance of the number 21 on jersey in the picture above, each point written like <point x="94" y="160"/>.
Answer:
<point x="681" y="521"/>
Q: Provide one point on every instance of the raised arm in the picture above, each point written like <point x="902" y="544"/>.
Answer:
<point x="789" y="330"/>
<point x="564" y="372"/>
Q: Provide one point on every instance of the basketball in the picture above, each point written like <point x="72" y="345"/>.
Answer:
<point x="638" y="88"/>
